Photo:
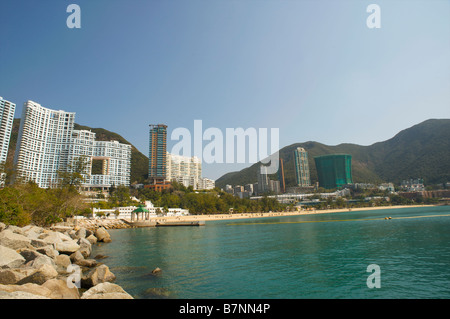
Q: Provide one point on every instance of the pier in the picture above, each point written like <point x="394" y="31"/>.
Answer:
<point x="153" y="223"/>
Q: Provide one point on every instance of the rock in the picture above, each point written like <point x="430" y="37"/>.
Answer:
<point x="100" y="256"/>
<point x="76" y="256"/>
<point x="50" y="237"/>
<point x="13" y="240"/>
<point x="89" y="233"/>
<point x="32" y="232"/>
<point x="60" y="290"/>
<point x="97" y="275"/>
<point x="38" y="243"/>
<point x="20" y="295"/>
<point x="41" y="260"/>
<point x="72" y="234"/>
<point x="9" y="277"/>
<point x="29" y="288"/>
<point x="30" y="254"/>
<point x="102" y="234"/>
<point x="87" y="263"/>
<point x="13" y="276"/>
<point x="2" y="226"/>
<point x="9" y="258"/>
<point x="156" y="270"/>
<point x="48" y="251"/>
<point x="106" y="290"/>
<point x="67" y="247"/>
<point x="63" y="261"/>
<point x="15" y="229"/>
<point x="81" y="233"/>
<point x="40" y="276"/>
<point x="85" y="247"/>
<point x="92" y="239"/>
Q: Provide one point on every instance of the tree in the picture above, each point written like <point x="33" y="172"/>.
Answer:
<point x="73" y="177"/>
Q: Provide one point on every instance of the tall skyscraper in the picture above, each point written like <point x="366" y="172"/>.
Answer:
<point x="43" y="144"/>
<point x="334" y="170"/>
<point x="281" y="177"/>
<point x="302" y="167"/>
<point x="157" y="170"/>
<point x="48" y="144"/>
<point x="263" y="180"/>
<point x="7" y="110"/>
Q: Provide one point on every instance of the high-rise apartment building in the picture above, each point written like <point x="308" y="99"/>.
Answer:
<point x="184" y="169"/>
<point x="263" y="180"/>
<point x="187" y="171"/>
<point x="43" y="144"/>
<point x="281" y="176"/>
<point x="48" y="144"/>
<point x="7" y="110"/>
<point x="301" y="167"/>
<point x="334" y="170"/>
<point x="157" y="170"/>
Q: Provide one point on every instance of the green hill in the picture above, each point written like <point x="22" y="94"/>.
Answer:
<point x="420" y="151"/>
<point x="139" y="162"/>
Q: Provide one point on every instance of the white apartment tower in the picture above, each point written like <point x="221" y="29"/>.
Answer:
<point x="187" y="171"/>
<point x="47" y="143"/>
<point x="43" y="144"/>
<point x="7" y="109"/>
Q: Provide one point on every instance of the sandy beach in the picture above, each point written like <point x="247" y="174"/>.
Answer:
<point x="211" y="217"/>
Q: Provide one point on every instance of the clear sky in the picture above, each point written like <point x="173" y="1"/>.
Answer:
<point x="313" y="69"/>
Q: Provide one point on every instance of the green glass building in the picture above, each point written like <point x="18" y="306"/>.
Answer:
<point x="334" y="170"/>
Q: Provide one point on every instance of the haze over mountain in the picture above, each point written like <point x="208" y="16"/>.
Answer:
<point x="421" y="151"/>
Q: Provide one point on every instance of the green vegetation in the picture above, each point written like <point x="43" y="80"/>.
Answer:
<point x="179" y="196"/>
<point x="27" y="203"/>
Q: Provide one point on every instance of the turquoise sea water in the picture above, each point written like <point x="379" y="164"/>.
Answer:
<point x="311" y="256"/>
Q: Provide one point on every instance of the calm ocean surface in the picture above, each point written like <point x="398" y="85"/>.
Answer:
<point x="313" y="256"/>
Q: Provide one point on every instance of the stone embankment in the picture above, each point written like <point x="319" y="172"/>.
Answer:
<point x="55" y="263"/>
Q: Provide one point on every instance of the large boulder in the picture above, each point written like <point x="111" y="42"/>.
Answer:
<point x="81" y="233"/>
<point x="40" y="276"/>
<point x="38" y="243"/>
<point x="102" y="235"/>
<point x="60" y="290"/>
<point x="96" y="276"/>
<point x="13" y="276"/>
<point x="30" y="254"/>
<point x="20" y="295"/>
<point x="9" y="258"/>
<point x="67" y="247"/>
<point x="2" y="226"/>
<point x="27" y="291"/>
<point x="49" y="251"/>
<point x="15" y="241"/>
<point x="41" y="260"/>
<point x="106" y="290"/>
<point x="76" y="257"/>
<point x="32" y="231"/>
<point x="92" y="239"/>
<point x="85" y="247"/>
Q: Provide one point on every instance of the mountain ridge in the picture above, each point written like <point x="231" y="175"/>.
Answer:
<point x="422" y="150"/>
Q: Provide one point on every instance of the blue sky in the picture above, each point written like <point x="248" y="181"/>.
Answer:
<point x="313" y="69"/>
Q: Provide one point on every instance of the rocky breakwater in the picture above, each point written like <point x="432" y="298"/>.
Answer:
<point x="54" y="263"/>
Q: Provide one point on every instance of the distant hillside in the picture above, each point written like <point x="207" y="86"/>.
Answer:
<point x="420" y="151"/>
<point x="139" y="162"/>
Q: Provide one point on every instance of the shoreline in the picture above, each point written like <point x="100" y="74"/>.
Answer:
<point x="214" y="217"/>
